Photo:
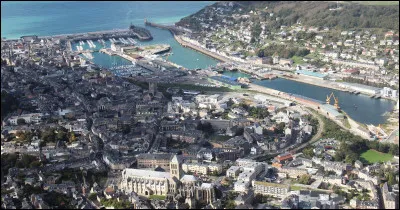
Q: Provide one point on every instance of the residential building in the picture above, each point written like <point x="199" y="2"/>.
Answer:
<point x="267" y="188"/>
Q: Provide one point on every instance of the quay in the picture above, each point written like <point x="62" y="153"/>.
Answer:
<point x="174" y="31"/>
<point x="61" y="36"/>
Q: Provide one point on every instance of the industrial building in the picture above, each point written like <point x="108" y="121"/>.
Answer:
<point x="312" y="74"/>
<point x="332" y="111"/>
<point x="225" y="82"/>
<point x="388" y="92"/>
<point x="265" y="98"/>
<point x="361" y="88"/>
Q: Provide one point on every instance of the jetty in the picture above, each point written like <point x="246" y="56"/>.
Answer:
<point x="175" y="32"/>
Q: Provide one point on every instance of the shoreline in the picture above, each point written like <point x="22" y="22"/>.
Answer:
<point x="332" y="87"/>
<point x="210" y="54"/>
<point x="329" y="86"/>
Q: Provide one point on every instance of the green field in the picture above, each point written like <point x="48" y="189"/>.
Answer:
<point x="297" y="60"/>
<point x="372" y="156"/>
<point x="295" y="188"/>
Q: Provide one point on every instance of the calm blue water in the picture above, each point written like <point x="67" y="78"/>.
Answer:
<point x="368" y="110"/>
<point x="51" y="18"/>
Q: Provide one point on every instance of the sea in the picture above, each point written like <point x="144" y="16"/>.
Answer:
<point x="45" y="18"/>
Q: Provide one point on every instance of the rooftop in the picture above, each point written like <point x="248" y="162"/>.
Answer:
<point x="361" y="86"/>
<point x="132" y="172"/>
<point x="332" y="110"/>
<point x="224" y="80"/>
<point x="310" y="73"/>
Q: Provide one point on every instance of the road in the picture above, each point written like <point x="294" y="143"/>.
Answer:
<point x="315" y="138"/>
<point x="392" y="137"/>
<point x="317" y="135"/>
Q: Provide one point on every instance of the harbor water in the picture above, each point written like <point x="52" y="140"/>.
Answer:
<point x="52" y="18"/>
<point x="360" y="108"/>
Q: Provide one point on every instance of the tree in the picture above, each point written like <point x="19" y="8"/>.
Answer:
<point x="351" y="157"/>
<point x="205" y="127"/>
<point x="35" y="164"/>
<point x="230" y="205"/>
<point x="308" y="152"/>
<point x="394" y="149"/>
<point x="61" y="136"/>
<point x="384" y="148"/>
<point x="230" y="102"/>
<point x="280" y="127"/>
<point x="305" y="179"/>
<point x="72" y="137"/>
<point x="391" y="179"/>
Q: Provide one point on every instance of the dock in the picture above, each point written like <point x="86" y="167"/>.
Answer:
<point x="133" y="31"/>
<point x="177" y="37"/>
<point x="377" y="96"/>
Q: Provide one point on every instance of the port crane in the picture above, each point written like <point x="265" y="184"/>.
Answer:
<point x="336" y="104"/>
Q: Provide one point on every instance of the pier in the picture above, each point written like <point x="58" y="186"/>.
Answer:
<point x="132" y="31"/>
<point x="174" y="29"/>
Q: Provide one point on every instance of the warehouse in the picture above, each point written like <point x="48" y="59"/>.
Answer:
<point x="312" y="74"/>
<point x="361" y="88"/>
<point x="224" y="82"/>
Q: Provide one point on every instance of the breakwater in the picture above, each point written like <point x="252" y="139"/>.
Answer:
<point x="174" y="31"/>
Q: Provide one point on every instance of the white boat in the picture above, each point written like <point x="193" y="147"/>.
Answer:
<point x="131" y="40"/>
<point x="94" y="46"/>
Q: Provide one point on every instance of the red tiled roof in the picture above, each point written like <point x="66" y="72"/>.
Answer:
<point x="280" y="158"/>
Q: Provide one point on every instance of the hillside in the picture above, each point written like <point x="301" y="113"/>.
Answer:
<point x="309" y="13"/>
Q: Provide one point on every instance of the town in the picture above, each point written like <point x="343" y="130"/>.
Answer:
<point x="153" y="134"/>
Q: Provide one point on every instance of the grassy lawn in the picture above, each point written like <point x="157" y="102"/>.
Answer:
<point x="373" y="156"/>
<point x="346" y="123"/>
<point x="157" y="197"/>
<point x="295" y="188"/>
<point x="312" y="55"/>
<point x="297" y="60"/>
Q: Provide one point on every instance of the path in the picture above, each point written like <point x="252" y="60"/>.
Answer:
<point x="317" y="135"/>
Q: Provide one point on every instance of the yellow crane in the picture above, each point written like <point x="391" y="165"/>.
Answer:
<point x="336" y="104"/>
<point x="328" y="98"/>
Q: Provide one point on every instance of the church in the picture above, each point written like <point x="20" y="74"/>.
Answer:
<point x="170" y="184"/>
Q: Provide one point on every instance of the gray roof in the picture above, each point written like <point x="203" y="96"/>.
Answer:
<point x="132" y="172"/>
<point x="149" y="156"/>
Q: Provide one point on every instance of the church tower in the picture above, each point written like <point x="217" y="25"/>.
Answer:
<point x="175" y="167"/>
